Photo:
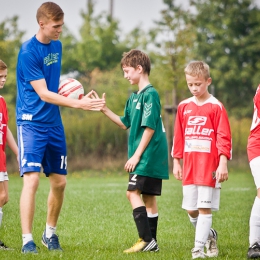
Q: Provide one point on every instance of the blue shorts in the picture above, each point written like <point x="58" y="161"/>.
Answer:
<point x="42" y="147"/>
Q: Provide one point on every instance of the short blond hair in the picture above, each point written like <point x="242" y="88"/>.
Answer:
<point x="49" y="11"/>
<point x="198" y="68"/>
<point x="3" y="66"/>
<point x="133" y="58"/>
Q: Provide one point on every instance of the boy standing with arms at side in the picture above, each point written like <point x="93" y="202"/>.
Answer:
<point x="202" y="138"/>
<point x="6" y="136"/>
<point x="253" y="152"/>
<point x="147" y="149"/>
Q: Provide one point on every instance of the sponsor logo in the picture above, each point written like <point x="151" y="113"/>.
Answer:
<point x="198" y="130"/>
<point x="51" y="58"/>
<point x="27" y="117"/>
<point x="197" y="120"/>
<point x="195" y="145"/>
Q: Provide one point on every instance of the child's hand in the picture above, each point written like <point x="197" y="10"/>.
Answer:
<point x="222" y="170"/>
<point x="93" y="101"/>
<point x="104" y="98"/>
<point x="131" y="163"/>
<point x="177" y="169"/>
<point x="95" y="96"/>
<point x="221" y="173"/>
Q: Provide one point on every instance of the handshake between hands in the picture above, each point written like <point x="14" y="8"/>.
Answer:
<point x="93" y="102"/>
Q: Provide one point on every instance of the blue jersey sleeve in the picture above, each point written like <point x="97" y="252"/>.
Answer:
<point x="31" y="66"/>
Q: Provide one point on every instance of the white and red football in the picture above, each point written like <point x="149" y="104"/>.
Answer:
<point x="71" y="88"/>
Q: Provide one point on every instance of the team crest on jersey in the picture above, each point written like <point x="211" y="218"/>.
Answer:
<point x="197" y="120"/>
<point x="147" y="109"/>
<point x="138" y="105"/>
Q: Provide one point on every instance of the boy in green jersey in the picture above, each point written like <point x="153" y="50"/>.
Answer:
<point x="147" y="161"/>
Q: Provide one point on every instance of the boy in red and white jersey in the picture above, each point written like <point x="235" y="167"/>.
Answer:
<point x="6" y="136"/>
<point x="202" y="139"/>
<point x="253" y="152"/>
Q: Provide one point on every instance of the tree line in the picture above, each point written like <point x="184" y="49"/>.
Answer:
<point x="223" y="33"/>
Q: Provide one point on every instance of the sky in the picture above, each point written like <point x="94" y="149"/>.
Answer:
<point x="130" y="13"/>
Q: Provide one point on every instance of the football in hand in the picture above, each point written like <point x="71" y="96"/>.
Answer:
<point x="71" y="88"/>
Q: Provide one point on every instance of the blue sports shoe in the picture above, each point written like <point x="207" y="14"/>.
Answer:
<point x="51" y="243"/>
<point x="30" y="247"/>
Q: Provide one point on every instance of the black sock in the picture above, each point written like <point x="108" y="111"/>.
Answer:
<point x="153" y="226"/>
<point x="142" y="223"/>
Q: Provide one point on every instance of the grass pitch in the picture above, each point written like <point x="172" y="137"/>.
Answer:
<point x="96" y="220"/>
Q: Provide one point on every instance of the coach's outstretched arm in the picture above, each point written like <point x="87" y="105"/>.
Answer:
<point x="86" y="103"/>
<point x="110" y="114"/>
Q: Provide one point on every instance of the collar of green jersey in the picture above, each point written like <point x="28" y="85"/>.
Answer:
<point x="144" y="89"/>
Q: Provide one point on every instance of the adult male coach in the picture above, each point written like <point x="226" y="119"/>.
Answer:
<point x="41" y="138"/>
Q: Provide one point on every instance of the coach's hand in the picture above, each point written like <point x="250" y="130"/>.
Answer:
<point x="91" y="101"/>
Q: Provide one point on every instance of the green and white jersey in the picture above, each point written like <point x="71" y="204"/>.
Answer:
<point x="144" y="110"/>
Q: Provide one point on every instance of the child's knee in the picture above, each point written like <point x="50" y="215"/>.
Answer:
<point x="193" y="213"/>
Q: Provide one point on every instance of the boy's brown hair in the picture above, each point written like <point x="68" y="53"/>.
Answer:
<point x="3" y="66"/>
<point x="198" y="68"/>
<point x="49" y="11"/>
<point x="133" y="58"/>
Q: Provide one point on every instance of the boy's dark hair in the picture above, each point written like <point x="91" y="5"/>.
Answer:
<point x="133" y="58"/>
<point x="3" y="66"/>
<point x="49" y="11"/>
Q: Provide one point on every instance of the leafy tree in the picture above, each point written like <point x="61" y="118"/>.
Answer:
<point x="99" y="46"/>
<point x="70" y="62"/>
<point x="136" y="39"/>
<point x="10" y="41"/>
<point x="227" y="34"/>
<point x="173" y="38"/>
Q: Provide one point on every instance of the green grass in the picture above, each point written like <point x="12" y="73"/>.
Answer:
<point x="96" y="220"/>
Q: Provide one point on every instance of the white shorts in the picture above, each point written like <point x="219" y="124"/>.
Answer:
<point x="255" y="169"/>
<point x="4" y="176"/>
<point x="195" y="197"/>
